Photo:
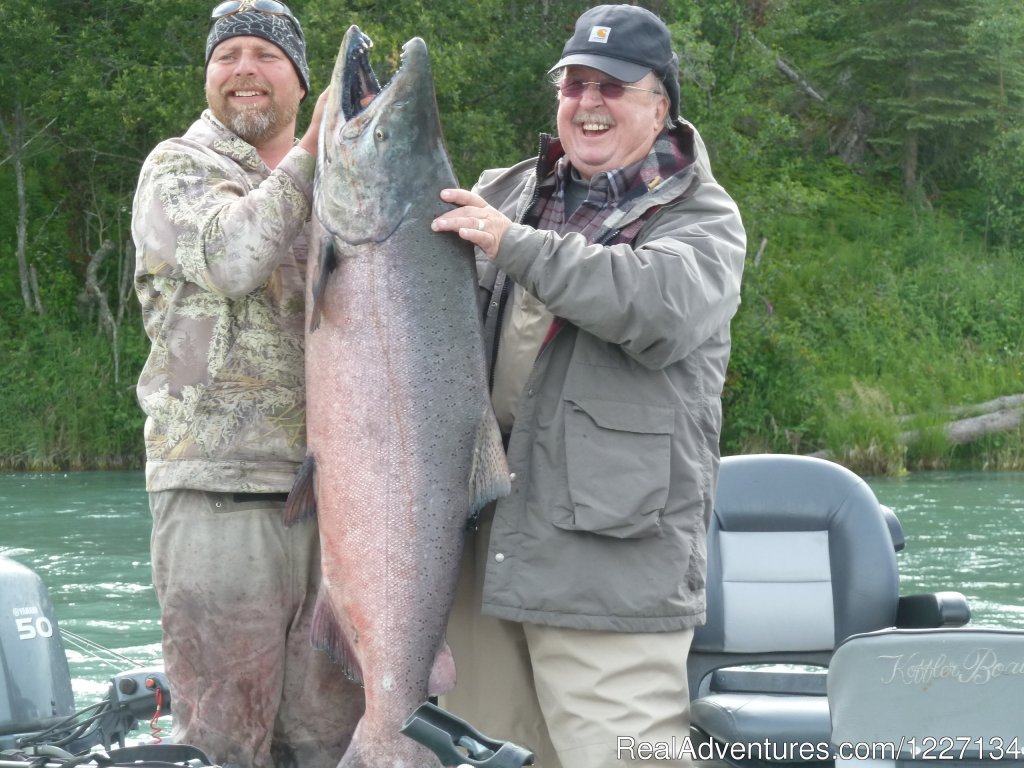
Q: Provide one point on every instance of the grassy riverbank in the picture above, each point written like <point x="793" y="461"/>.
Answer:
<point x="62" y="406"/>
<point x="865" y="318"/>
<point x="861" y="319"/>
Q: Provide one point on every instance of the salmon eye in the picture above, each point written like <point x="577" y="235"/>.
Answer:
<point x="379" y="134"/>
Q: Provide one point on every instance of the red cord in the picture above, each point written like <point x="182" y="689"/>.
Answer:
<point x="156" y="729"/>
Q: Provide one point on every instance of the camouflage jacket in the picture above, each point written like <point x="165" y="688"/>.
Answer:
<point x="221" y="244"/>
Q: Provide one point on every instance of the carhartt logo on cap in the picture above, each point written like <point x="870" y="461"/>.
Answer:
<point x="599" y="34"/>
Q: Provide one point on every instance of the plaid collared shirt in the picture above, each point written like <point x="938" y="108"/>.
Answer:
<point x="610" y="191"/>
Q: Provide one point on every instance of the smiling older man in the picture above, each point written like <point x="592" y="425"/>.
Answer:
<point x="610" y="269"/>
<point x="220" y="224"/>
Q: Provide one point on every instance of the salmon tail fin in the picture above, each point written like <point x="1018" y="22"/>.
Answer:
<point x="327" y="635"/>
<point x="301" y="504"/>
<point x="442" y="674"/>
<point x="328" y="263"/>
<point x="488" y="479"/>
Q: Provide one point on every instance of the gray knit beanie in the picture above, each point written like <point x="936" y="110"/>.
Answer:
<point x="283" y="30"/>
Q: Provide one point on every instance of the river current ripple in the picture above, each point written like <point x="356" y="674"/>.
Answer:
<point x="87" y="536"/>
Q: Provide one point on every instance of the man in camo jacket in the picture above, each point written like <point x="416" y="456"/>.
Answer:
<point x="220" y="223"/>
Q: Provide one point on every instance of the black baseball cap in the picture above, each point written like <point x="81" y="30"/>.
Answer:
<point x="625" y="42"/>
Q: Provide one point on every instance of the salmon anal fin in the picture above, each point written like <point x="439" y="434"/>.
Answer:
<point x="301" y="504"/>
<point x="327" y="635"/>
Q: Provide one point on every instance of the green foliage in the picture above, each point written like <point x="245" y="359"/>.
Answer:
<point x="60" y="407"/>
<point x="880" y="316"/>
<point x="935" y="76"/>
<point x="1000" y="451"/>
<point x="1000" y="181"/>
<point x="862" y="431"/>
<point x="865" y="313"/>
<point x="774" y="387"/>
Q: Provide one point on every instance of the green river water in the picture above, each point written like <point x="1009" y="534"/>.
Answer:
<point x="87" y="536"/>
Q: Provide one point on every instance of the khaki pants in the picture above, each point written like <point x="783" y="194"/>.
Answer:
<point x="236" y="590"/>
<point x="577" y="699"/>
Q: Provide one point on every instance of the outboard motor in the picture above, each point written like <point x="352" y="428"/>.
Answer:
<point x="37" y="705"/>
<point x="35" y="682"/>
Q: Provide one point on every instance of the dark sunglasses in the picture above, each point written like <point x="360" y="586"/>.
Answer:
<point x="609" y="89"/>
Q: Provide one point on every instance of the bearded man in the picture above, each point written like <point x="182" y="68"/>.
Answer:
<point x="220" y="224"/>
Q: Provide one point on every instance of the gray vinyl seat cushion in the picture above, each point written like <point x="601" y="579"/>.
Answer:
<point x="800" y="557"/>
<point x="780" y="721"/>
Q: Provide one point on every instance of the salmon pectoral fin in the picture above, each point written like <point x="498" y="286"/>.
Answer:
<point x="442" y="674"/>
<point x="488" y="478"/>
<point x="328" y="263"/>
<point x="301" y="504"/>
<point x="327" y="635"/>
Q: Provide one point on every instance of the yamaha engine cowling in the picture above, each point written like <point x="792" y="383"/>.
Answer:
<point x="35" y="683"/>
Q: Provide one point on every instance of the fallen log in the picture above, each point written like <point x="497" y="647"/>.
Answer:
<point x="791" y="73"/>
<point x="1004" y="414"/>
<point x="973" y="428"/>
<point x="991" y="406"/>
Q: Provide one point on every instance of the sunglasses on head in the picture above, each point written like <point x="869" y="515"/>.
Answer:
<point x="231" y="7"/>
<point x="609" y="89"/>
<point x="268" y="7"/>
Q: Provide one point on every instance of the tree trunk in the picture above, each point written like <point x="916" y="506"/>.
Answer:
<point x="792" y="74"/>
<point x="910" y="163"/>
<point x="850" y="141"/>
<point x="107" y="321"/>
<point x="14" y="136"/>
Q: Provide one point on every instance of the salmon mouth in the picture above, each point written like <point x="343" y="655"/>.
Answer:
<point x="359" y="85"/>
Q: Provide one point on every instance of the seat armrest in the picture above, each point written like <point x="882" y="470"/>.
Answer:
<point x="899" y="541"/>
<point x="792" y="682"/>
<point x="932" y="610"/>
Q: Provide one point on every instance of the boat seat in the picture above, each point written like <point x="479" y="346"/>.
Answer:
<point x="902" y="696"/>
<point x="801" y="555"/>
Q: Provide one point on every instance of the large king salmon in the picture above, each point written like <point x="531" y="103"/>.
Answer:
<point x="404" y="446"/>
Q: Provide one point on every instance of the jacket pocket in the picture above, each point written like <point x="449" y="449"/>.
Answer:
<point x="618" y="467"/>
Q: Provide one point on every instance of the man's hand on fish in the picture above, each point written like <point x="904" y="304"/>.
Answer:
<point x="474" y="220"/>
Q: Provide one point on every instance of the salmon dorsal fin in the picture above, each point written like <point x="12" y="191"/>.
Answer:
<point x="488" y="478"/>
